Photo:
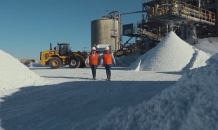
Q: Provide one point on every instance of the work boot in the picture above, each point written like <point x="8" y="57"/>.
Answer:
<point x="94" y="78"/>
<point x="109" y="78"/>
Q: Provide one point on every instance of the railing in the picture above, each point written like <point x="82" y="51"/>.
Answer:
<point x="148" y="33"/>
<point x="182" y="9"/>
<point x="196" y="12"/>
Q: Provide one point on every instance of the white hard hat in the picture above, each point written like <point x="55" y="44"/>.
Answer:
<point x="93" y="48"/>
<point x="106" y="48"/>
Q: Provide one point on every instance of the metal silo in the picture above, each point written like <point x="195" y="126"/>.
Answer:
<point x="105" y="31"/>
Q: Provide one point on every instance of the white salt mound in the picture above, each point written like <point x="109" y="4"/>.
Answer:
<point x="128" y="60"/>
<point x="13" y="73"/>
<point x="213" y="59"/>
<point x="190" y="104"/>
<point x="209" y="45"/>
<point x="200" y="58"/>
<point x="171" y="54"/>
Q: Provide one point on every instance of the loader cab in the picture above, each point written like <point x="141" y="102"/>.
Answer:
<point x="64" y="49"/>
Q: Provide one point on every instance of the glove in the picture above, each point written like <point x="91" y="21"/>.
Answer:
<point x="114" y="64"/>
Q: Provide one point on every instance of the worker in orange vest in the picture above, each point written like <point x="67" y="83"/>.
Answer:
<point x="108" y="59"/>
<point x="93" y="61"/>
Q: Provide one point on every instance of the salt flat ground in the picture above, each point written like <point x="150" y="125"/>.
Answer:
<point x="67" y="99"/>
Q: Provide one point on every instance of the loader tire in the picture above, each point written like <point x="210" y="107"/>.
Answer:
<point x="54" y="63"/>
<point x="74" y="62"/>
<point x="82" y="63"/>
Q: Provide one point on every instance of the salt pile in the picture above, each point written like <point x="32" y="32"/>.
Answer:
<point x="171" y="54"/>
<point x="209" y="45"/>
<point x="200" y="59"/>
<point x="13" y="73"/>
<point x="190" y="104"/>
<point x="128" y="60"/>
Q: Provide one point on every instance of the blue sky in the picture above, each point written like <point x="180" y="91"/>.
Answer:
<point x="28" y="26"/>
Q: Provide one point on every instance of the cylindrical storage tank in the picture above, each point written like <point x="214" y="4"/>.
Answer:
<point x="102" y="32"/>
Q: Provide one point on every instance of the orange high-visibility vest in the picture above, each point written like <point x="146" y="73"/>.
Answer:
<point x="93" y="60"/>
<point x="107" y="59"/>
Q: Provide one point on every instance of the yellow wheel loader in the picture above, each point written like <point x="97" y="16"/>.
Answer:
<point x="62" y="55"/>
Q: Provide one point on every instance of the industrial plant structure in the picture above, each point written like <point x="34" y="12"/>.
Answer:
<point x="106" y="31"/>
<point x="189" y="19"/>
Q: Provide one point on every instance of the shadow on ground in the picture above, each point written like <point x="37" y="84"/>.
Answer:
<point x="72" y="105"/>
<point x="61" y="77"/>
<point x="173" y="72"/>
<point x="47" y="68"/>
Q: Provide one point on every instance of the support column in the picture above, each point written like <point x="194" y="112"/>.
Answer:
<point x="199" y="3"/>
<point x="183" y="31"/>
<point x="217" y="18"/>
<point x="195" y="34"/>
<point x="159" y="32"/>
<point x="191" y="36"/>
<point x="194" y="31"/>
<point x="167" y="28"/>
<point x="187" y="32"/>
<point x="155" y="9"/>
<point x="171" y="27"/>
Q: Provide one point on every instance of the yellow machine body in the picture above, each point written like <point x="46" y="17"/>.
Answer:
<point x="54" y="59"/>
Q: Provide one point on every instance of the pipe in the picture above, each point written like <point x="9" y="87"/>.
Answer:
<point x="120" y="23"/>
<point x="115" y="38"/>
<point x="199" y="4"/>
<point x="114" y="16"/>
<point x="134" y="12"/>
<point x="113" y="12"/>
<point x="50" y="46"/>
<point x="120" y="31"/>
<point x="143" y="16"/>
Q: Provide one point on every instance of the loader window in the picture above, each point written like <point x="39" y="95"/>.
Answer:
<point x="68" y="48"/>
<point x="63" y="50"/>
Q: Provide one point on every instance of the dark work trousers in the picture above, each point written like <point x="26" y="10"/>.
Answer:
<point x="108" y="70"/>
<point x="93" y="67"/>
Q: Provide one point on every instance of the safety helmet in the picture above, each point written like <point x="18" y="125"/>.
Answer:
<point x="93" y="48"/>
<point x="106" y="48"/>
